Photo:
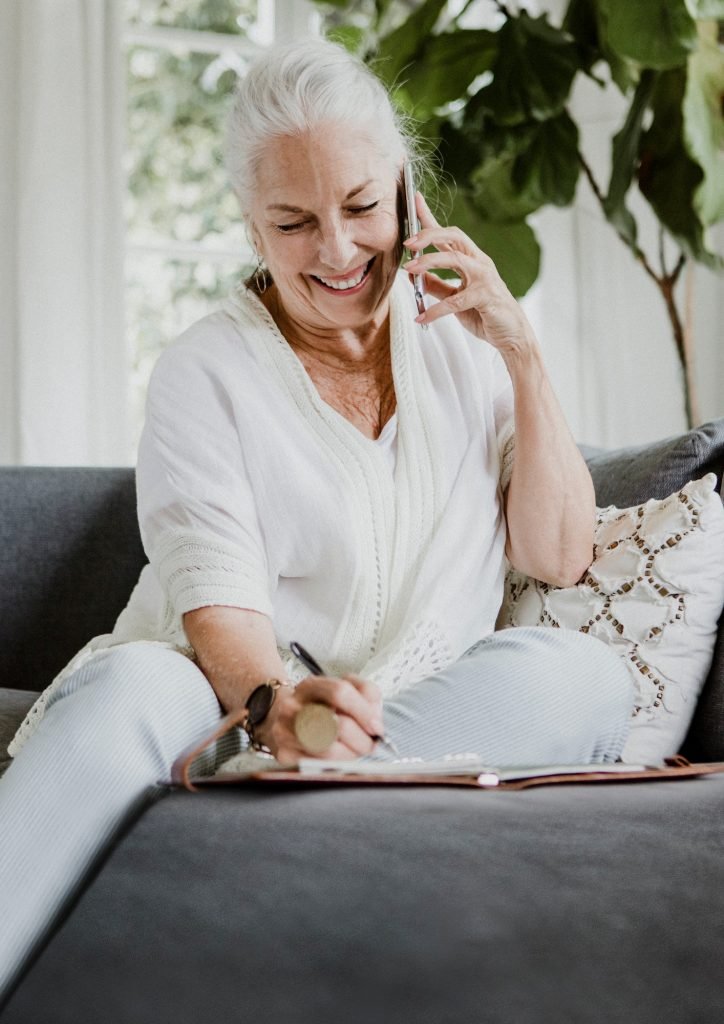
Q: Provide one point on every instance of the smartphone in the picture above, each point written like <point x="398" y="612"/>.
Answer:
<point x="413" y="226"/>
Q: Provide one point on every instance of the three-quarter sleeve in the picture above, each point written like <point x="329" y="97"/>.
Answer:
<point x="197" y="513"/>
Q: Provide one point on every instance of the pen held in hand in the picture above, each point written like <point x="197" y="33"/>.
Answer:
<point x="315" y="725"/>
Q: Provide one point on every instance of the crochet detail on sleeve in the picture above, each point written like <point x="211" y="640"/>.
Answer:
<point x="198" y="570"/>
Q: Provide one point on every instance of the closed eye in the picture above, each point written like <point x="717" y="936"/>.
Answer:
<point x="297" y="225"/>
<point x="363" y="209"/>
<point x="286" y="228"/>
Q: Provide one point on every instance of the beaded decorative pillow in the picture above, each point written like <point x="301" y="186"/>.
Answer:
<point x="654" y="592"/>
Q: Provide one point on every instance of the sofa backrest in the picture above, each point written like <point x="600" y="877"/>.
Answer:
<point x="70" y="555"/>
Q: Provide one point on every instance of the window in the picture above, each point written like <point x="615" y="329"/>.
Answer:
<point x="186" y="246"/>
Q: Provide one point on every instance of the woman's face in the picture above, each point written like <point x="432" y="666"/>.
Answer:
<point x="325" y="221"/>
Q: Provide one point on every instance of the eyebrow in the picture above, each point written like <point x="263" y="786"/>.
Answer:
<point x="298" y="209"/>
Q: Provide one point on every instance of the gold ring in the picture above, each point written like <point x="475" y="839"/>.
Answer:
<point x="316" y="726"/>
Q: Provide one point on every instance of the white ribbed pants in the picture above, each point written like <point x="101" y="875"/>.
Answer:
<point x="112" y="730"/>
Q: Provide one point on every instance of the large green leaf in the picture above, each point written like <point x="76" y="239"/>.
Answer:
<point x="581" y="22"/>
<point x="704" y="124"/>
<point x="625" y="159"/>
<point x="548" y="167"/>
<point x="398" y="49"/>
<point x="460" y="151"/>
<point x="447" y="65"/>
<point x="523" y="168"/>
<point x="512" y="247"/>
<point x="532" y="72"/>
<point x="667" y="175"/>
<point x="654" y="33"/>
<point x="496" y="196"/>
<point x="586" y="22"/>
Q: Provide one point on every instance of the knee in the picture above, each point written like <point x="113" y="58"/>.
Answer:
<point x="590" y="672"/>
<point x="579" y="668"/>
<point x="136" y="677"/>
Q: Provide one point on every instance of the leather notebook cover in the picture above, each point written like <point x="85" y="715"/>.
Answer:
<point x="427" y="773"/>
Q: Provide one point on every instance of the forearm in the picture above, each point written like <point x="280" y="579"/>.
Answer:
<point x="236" y="650"/>
<point x="550" y="502"/>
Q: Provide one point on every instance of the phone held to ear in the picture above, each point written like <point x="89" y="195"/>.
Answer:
<point x="413" y="226"/>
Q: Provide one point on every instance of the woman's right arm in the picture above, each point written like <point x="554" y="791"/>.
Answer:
<point x="236" y="650"/>
<point x="203" y="533"/>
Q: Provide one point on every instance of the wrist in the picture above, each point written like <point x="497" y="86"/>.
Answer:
<point x="524" y="360"/>
<point x="259" y="707"/>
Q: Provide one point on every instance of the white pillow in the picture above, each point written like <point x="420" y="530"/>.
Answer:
<point x="654" y="592"/>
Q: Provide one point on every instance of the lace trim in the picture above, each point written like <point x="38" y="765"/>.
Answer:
<point x="424" y="652"/>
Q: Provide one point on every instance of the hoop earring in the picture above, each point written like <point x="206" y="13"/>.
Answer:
<point x="261" y="280"/>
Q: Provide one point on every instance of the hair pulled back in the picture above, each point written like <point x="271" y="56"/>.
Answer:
<point x="296" y="87"/>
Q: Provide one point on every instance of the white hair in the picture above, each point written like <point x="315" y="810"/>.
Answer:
<point x="294" y="87"/>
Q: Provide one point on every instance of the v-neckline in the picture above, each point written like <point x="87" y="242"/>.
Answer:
<point x="398" y="511"/>
<point x="312" y="388"/>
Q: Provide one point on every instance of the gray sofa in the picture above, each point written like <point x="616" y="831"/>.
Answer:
<point x="407" y="905"/>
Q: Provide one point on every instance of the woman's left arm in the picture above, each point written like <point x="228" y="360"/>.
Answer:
<point x="550" y="501"/>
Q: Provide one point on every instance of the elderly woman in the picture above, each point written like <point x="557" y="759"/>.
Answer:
<point x="316" y="466"/>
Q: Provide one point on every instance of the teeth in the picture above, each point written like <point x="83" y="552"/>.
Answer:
<point x="350" y="282"/>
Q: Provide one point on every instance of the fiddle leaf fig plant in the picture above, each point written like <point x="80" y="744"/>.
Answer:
<point x="494" y="104"/>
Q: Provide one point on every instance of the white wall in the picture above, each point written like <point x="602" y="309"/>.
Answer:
<point x="600" y="318"/>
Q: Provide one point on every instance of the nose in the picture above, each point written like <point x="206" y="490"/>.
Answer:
<point x="337" y="250"/>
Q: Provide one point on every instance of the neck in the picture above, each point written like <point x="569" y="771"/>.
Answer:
<point x="361" y="347"/>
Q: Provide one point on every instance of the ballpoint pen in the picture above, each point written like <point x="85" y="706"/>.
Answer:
<point x="324" y="720"/>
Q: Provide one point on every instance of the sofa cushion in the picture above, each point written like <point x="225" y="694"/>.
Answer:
<point x="654" y="594"/>
<point x="628" y="476"/>
<point x="400" y="904"/>
<point x="14" y="706"/>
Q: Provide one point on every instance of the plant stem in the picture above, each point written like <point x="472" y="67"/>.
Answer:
<point x="665" y="282"/>
<point x="638" y="253"/>
<point x="662" y="254"/>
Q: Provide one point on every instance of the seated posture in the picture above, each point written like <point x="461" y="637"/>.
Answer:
<point x="323" y="463"/>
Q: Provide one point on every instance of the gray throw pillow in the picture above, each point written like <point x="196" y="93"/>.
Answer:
<point x="628" y="476"/>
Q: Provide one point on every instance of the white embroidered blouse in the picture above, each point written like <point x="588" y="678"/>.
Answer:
<point x="384" y="558"/>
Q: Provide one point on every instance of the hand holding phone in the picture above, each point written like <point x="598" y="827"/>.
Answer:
<point x="413" y="226"/>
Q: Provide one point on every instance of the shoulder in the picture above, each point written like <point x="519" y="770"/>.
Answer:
<point x="220" y="347"/>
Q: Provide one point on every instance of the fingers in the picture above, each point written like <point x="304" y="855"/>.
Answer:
<point x="444" y="239"/>
<point x="439" y="288"/>
<point x="370" y="691"/>
<point x="358" y="699"/>
<point x="465" y="266"/>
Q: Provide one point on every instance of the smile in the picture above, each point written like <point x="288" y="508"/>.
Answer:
<point x="346" y="285"/>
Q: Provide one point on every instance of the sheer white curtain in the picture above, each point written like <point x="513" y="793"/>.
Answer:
<point x="62" y="350"/>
